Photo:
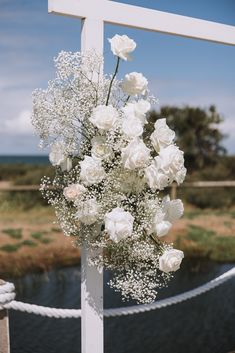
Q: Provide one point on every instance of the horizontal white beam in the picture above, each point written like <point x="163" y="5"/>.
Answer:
<point x="147" y="19"/>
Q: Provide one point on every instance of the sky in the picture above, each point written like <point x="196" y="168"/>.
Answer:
<point x="180" y="71"/>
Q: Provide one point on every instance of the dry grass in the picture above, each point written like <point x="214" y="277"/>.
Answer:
<point x="30" y="241"/>
<point x="40" y="247"/>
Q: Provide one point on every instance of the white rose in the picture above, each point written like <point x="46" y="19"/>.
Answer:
<point x="66" y="164"/>
<point x="137" y="110"/>
<point x="100" y="149"/>
<point x="173" y="209"/>
<point x="92" y="171"/>
<point x="119" y="224"/>
<point x="155" y="177"/>
<point x="134" y="83"/>
<point x="73" y="191"/>
<point x="132" y="127"/>
<point x="160" y="225"/>
<point x="88" y="211"/>
<point x="162" y="228"/>
<point x="180" y="175"/>
<point x="170" y="260"/>
<point x="58" y="156"/>
<point x="104" y="117"/>
<point x="121" y="46"/>
<point x="162" y="136"/>
<point x="135" y="155"/>
<point x="171" y="160"/>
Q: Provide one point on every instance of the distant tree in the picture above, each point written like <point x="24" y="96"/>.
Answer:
<point x="197" y="133"/>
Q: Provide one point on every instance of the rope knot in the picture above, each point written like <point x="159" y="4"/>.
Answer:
<point x="7" y="293"/>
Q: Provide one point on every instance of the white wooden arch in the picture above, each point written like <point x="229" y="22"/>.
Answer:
<point x="94" y="14"/>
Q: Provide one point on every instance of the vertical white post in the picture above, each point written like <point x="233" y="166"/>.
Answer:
<point x="4" y="329"/>
<point x="92" y="279"/>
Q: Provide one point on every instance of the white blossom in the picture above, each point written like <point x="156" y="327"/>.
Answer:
<point x="88" y="211"/>
<point x="73" y="191"/>
<point x="161" y="225"/>
<point x="171" y="162"/>
<point x="170" y="260"/>
<point x="109" y="170"/>
<point x="135" y="155"/>
<point x="137" y="110"/>
<point x="134" y="83"/>
<point x="58" y="156"/>
<point x="173" y="209"/>
<point x="122" y="46"/>
<point x="104" y="117"/>
<point x="132" y="127"/>
<point x="155" y="177"/>
<point x="100" y="149"/>
<point x="162" y="228"/>
<point x="92" y="171"/>
<point x="162" y="136"/>
<point x="119" y="224"/>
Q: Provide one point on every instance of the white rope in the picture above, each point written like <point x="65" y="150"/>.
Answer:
<point x="7" y="292"/>
<point x="44" y="311"/>
<point x="136" y="309"/>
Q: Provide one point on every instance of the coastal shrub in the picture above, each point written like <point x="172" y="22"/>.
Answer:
<point x="40" y="236"/>
<point x="210" y="198"/>
<point x="28" y="242"/>
<point x="37" y="235"/>
<point x="10" y="247"/>
<point x="199" y="234"/>
<point x="24" y="174"/>
<point x="22" y="200"/>
<point x="45" y="240"/>
<point x="207" y="243"/>
<point x="14" y="233"/>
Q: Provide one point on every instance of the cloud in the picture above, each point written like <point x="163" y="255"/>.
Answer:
<point x="21" y="125"/>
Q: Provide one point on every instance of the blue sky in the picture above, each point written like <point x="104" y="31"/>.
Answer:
<point x="180" y="70"/>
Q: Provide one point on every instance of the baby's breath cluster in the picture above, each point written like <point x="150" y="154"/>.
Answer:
<point x="109" y="171"/>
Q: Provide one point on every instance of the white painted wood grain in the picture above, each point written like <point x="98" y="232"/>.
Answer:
<point x="147" y="19"/>
<point x="92" y="279"/>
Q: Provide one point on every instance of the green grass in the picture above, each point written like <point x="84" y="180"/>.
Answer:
<point x="207" y="243"/>
<point x="199" y="234"/>
<point x="10" y="247"/>
<point x="39" y="236"/>
<point x="56" y="230"/>
<point x="13" y="233"/>
<point x="28" y="242"/>
<point x="46" y="240"/>
<point x="228" y="224"/>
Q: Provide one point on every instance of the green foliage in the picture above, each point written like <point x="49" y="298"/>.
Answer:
<point x="199" y="234"/>
<point x="216" y="198"/>
<point x="209" y="244"/>
<point x="37" y="235"/>
<point x="40" y="237"/>
<point x="45" y="240"/>
<point x="25" y="174"/>
<point x="56" y="230"/>
<point x="28" y="242"/>
<point x="197" y="133"/>
<point x="13" y="232"/>
<point x="10" y="247"/>
<point x="21" y="200"/>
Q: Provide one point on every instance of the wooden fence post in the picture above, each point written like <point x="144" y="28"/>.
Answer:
<point x="4" y="329"/>
<point x="173" y="191"/>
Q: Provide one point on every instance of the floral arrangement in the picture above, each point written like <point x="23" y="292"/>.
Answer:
<point x="109" y="172"/>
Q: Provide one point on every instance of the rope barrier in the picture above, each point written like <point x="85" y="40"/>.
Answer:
<point x="7" y="301"/>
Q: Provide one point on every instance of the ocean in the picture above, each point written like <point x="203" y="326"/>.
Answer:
<point x="33" y="159"/>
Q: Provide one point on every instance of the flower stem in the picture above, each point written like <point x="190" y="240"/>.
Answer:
<point x="111" y="82"/>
